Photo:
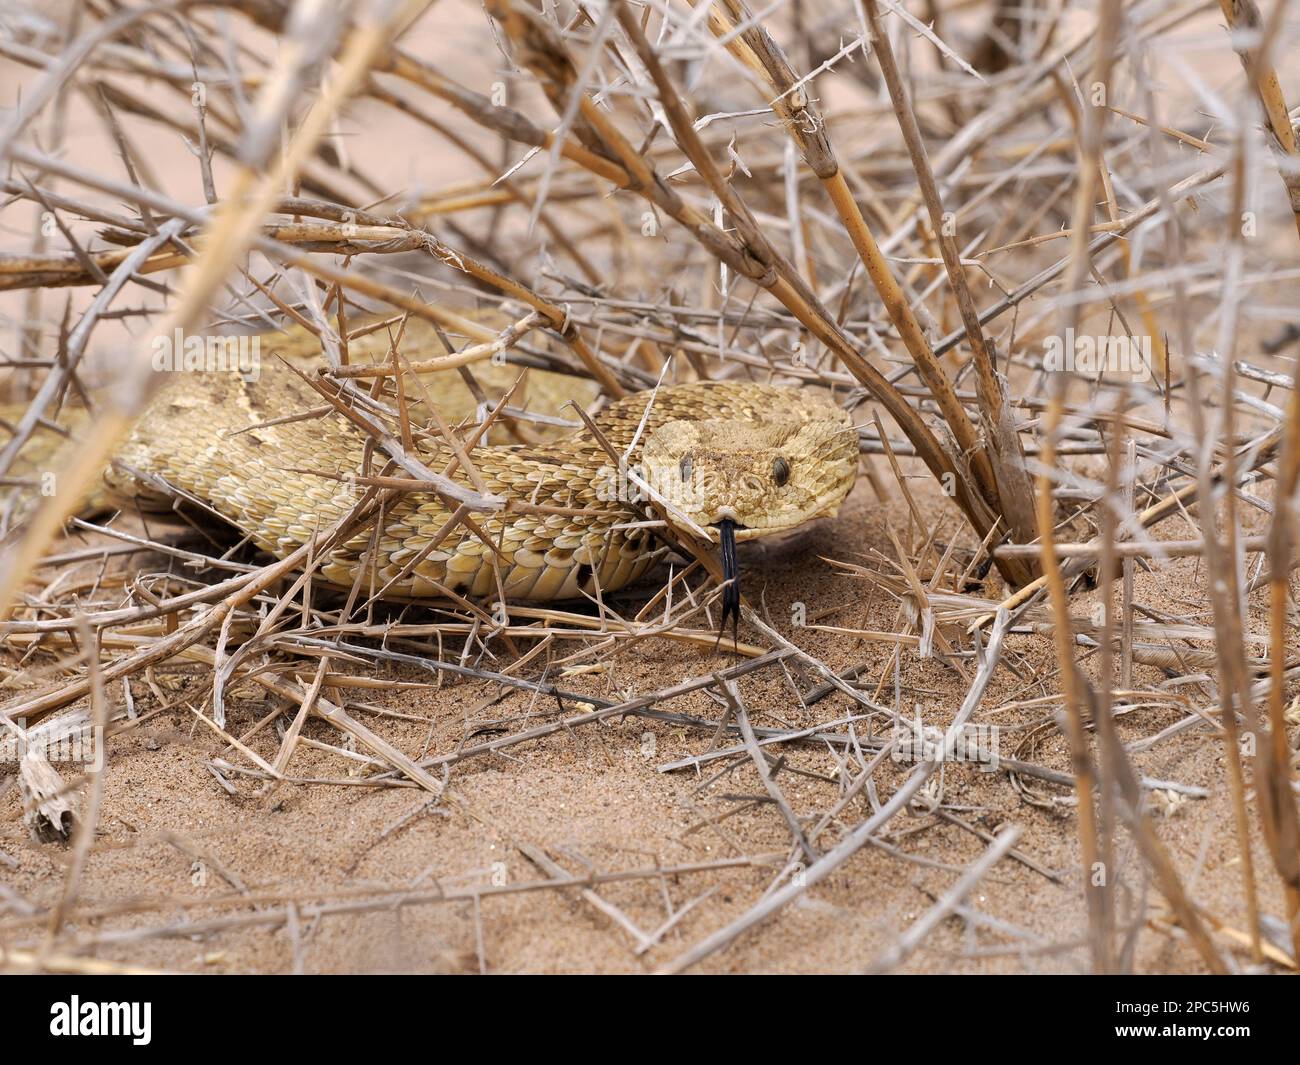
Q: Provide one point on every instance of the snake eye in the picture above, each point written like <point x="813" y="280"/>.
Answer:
<point x="780" y="471"/>
<point x="686" y="466"/>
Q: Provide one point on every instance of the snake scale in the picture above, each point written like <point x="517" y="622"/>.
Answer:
<point x="731" y="459"/>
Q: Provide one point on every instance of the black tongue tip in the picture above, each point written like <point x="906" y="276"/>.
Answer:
<point x="731" y="575"/>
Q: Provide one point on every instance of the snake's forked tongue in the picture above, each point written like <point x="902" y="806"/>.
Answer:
<point x="731" y="575"/>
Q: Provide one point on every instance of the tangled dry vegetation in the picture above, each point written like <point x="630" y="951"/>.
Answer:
<point x="915" y="206"/>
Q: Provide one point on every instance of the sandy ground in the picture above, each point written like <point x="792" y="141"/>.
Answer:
<point x="594" y="798"/>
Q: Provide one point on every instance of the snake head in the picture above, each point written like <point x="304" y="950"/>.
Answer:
<point x="763" y="476"/>
<point x="739" y="478"/>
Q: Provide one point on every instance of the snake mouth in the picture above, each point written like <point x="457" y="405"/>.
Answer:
<point x="744" y="533"/>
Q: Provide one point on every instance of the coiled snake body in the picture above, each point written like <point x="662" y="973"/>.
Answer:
<point x="725" y="456"/>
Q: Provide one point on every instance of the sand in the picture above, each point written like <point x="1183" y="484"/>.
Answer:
<point x="592" y="799"/>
